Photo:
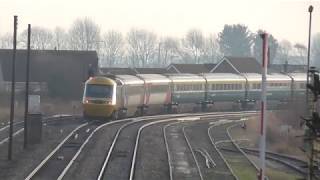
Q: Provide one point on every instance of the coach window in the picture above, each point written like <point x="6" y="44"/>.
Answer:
<point x="212" y="86"/>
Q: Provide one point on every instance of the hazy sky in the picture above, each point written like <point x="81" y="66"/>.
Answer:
<point x="285" y="19"/>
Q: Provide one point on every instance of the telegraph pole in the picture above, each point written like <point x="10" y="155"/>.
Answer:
<point x="310" y="9"/>
<point x="27" y="91"/>
<point x="13" y="80"/>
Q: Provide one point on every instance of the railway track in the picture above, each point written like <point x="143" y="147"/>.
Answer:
<point x="181" y="159"/>
<point x="297" y="165"/>
<point x="134" y="158"/>
<point x="59" y="162"/>
<point x="152" y="162"/>
<point x="212" y="164"/>
<point x="118" y="156"/>
<point x="237" y="160"/>
<point x="91" y="157"/>
<point x="18" y="127"/>
<point x="52" y="166"/>
<point x="120" y="159"/>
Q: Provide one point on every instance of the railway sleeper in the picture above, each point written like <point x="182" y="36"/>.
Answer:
<point x="72" y="145"/>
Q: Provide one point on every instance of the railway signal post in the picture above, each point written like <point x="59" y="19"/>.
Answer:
<point x="263" y="122"/>
<point x="313" y="124"/>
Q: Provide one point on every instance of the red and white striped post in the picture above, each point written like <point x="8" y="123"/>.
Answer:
<point x="263" y="123"/>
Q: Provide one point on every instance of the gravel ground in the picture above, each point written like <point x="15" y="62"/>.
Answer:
<point x="90" y="160"/>
<point x="152" y="160"/>
<point x="25" y="160"/>
<point x="4" y="133"/>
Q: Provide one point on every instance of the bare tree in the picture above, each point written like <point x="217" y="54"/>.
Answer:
<point x="194" y="43"/>
<point x="41" y="38"/>
<point x="284" y="51"/>
<point x="301" y="51"/>
<point x="141" y="46"/>
<point x="113" y="47"/>
<point x="60" y="39"/>
<point x="84" y="35"/>
<point x="168" y="51"/>
<point x="6" y="41"/>
<point x="315" y="50"/>
<point x="211" y="49"/>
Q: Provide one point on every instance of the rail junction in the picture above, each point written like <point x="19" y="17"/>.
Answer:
<point x="176" y="146"/>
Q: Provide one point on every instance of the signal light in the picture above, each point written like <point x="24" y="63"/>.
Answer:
<point x="313" y="123"/>
<point x="315" y="86"/>
<point x="85" y="101"/>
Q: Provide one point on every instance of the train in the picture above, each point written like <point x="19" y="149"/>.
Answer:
<point x="121" y="96"/>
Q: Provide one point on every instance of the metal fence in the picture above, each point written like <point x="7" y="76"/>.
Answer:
<point x="35" y="87"/>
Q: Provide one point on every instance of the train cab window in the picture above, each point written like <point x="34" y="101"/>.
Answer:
<point x="99" y="91"/>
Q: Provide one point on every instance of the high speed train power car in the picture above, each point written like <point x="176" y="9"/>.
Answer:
<point x="127" y="95"/>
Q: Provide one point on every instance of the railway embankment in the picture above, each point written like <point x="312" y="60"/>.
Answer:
<point x="284" y="136"/>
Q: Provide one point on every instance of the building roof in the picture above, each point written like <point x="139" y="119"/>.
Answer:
<point x="117" y="71"/>
<point x="151" y="70"/>
<point x="44" y="63"/>
<point x="190" y="68"/>
<point x="288" y="68"/>
<point x="68" y="66"/>
<point x="230" y="64"/>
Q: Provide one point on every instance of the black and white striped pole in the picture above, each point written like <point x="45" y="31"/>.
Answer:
<point x="263" y="123"/>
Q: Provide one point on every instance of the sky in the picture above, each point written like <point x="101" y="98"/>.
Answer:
<point x="284" y="19"/>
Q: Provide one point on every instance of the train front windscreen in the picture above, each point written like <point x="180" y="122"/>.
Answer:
<point x="99" y="91"/>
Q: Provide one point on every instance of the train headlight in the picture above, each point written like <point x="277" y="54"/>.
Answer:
<point x="86" y="101"/>
<point x="109" y="102"/>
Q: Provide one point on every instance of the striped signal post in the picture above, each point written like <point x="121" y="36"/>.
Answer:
<point x="263" y="123"/>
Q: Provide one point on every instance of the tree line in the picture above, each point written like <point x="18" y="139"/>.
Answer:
<point x="143" y="48"/>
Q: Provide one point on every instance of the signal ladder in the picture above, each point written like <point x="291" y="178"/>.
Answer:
<point x="314" y="141"/>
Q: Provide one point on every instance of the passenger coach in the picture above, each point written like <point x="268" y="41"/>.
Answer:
<point x="127" y="95"/>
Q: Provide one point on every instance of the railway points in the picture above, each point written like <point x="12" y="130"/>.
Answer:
<point x="211" y="160"/>
<point x="120" y="158"/>
<point x="242" y="166"/>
